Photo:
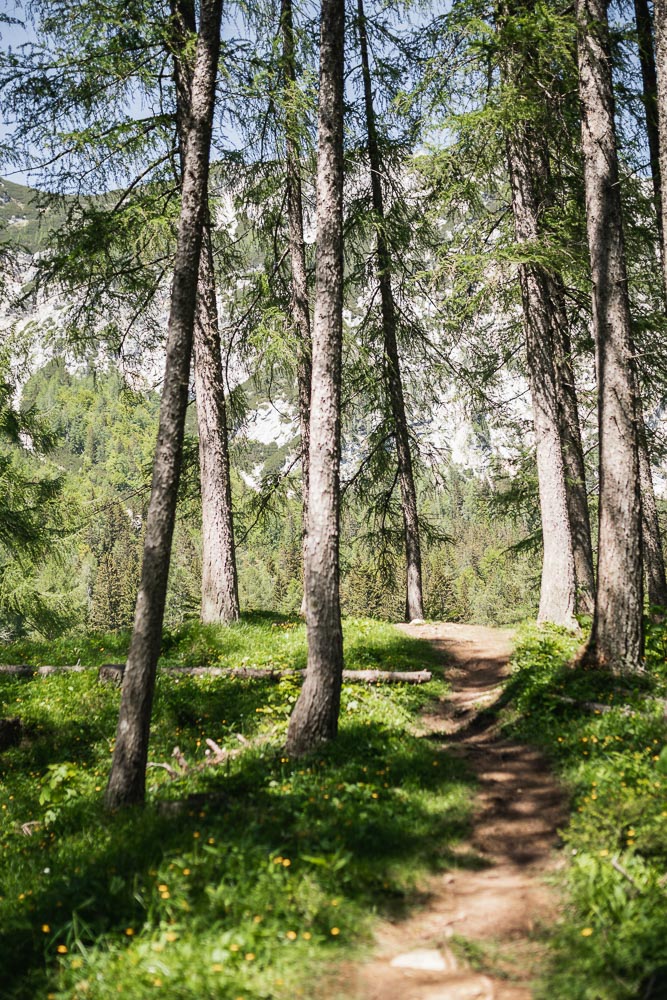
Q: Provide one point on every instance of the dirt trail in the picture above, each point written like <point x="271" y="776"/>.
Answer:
<point x="497" y="908"/>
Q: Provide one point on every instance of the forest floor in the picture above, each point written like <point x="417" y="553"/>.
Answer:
<point x="476" y="933"/>
<point x="414" y="857"/>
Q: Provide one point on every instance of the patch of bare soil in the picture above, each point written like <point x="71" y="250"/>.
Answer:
<point x="476" y="937"/>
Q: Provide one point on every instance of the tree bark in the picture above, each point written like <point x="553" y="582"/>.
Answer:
<point x="567" y="570"/>
<point x="220" y="598"/>
<point x="617" y="637"/>
<point x="315" y="715"/>
<point x="127" y="781"/>
<point x="660" y="37"/>
<point x="558" y="587"/>
<point x="654" y="561"/>
<point x="654" y="564"/>
<point x="297" y="249"/>
<point x="414" y="602"/>
<point x="644" y="24"/>
<point x="573" y="454"/>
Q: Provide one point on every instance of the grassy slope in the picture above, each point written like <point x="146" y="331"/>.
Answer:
<point x="273" y="868"/>
<point x="613" y="933"/>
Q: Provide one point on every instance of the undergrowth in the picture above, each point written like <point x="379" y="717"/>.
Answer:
<point x="607" y="736"/>
<point x="236" y="881"/>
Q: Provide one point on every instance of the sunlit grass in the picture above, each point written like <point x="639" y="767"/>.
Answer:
<point x="237" y="880"/>
<point x="614" y="760"/>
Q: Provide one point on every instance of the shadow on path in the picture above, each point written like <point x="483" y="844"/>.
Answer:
<point x="477" y="936"/>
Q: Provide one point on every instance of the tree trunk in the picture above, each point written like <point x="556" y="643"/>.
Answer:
<point x="654" y="561"/>
<point x="617" y="637"/>
<point x="654" y="564"/>
<point x="315" y="715"/>
<point x="644" y="24"/>
<point x="567" y="570"/>
<point x="558" y="588"/>
<point x="220" y="598"/>
<point x="660" y="35"/>
<point x="573" y="453"/>
<point x="414" y="603"/>
<point x="297" y="248"/>
<point x="127" y="781"/>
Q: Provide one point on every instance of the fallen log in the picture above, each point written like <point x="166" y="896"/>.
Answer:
<point x="26" y="670"/>
<point x="598" y="707"/>
<point x="113" y="673"/>
<point x="387" y="676"/>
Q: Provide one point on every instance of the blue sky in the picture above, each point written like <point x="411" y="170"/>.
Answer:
<point x="12" y="36"/>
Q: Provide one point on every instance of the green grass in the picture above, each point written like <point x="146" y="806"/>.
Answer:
<point x="235" y="881"/>
<point x="260" y="639"/>
<point x="613" y="932"/>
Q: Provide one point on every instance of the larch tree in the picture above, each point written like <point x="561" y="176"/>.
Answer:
<point x="297" y="250"/>
<point x="616" y="640"/>
<point x="220" y="597"/>
<point x="660" y="36"/>
<point x="127" y="780"/>
<point x="652" y="550"/>
<point x="113" y="254"/>
<point x="644" y="25"/>
<point x="391" y="361"/>
<point x="573" y="451"/>
<point x="558" y="588"/>
<point x="653" y="554"/>
<point x="315" y="715"/>
<point x="567" y="565"/>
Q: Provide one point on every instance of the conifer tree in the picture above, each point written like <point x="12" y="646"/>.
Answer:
<point x="128" y="770"/>
<point x="220" y="598"/>
<point x="567" y="565"/>
<point x="660" y="37"/>
<point x="297" y="251"/>
<point x="653" y="555"/>
<point x="644" y="24"/>
<point x="112" y="253"/>
<point x="315" y="715"/>
<point x="515" y="131"/>
<point x="617" y="637"/>
<point x="391" y="361"/>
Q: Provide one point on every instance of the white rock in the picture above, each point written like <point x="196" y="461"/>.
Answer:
<point x="425" y="959"/>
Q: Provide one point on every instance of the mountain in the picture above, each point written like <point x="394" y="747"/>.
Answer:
<point x="27" y="215"/>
